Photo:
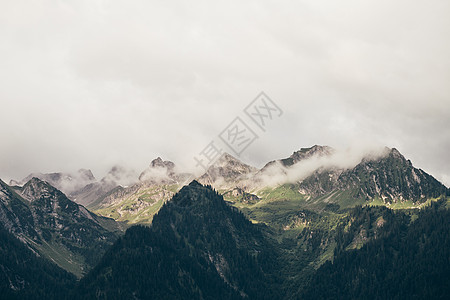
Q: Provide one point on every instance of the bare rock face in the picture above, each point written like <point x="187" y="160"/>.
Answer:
<point x="159" y="170"/>
<point x="305" y="153"/>
<point x="41" y="216"/>
<point x="390" y="177"/>
<point x="300" y="155"/>
<point x="227" y="171"/>
<point x="117" y="176"/>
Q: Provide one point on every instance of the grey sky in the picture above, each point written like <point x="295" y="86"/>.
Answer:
<point x="88" y="84"/>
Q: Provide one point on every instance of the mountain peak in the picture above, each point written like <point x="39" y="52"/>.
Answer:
<point x="315" y="150"/>
<point x="86" y="174"/>
<point x="299" y="155"/>
<point x="159" y="162"/>
<point x="228" y="156"/>
<point x="229" y="161"/>
<point x="192" y="195"/>
<point x="35" y="181"/>
<point x="194" y="183"/>
<point x="389" y="176"/>
<point x="35" y="188"/>
<point x="202" y="247"/>
<point x="226" y="169"/>
<point x="395" y="153"/>
<point x="158" y="169"/>
<point x="387" y="154"/>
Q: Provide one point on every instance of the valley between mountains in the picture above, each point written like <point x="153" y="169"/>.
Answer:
<point x="309" y="226"/>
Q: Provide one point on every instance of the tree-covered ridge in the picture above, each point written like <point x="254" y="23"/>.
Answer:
<point x="198" y="247"/>
<point x="23" y="275"/>
<point x="407" y="258"/>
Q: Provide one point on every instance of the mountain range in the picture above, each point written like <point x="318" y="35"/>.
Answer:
<point x="236" y="232"/>
<point x="311" y="176"/>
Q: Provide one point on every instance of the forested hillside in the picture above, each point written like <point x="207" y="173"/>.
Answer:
<point x="408" y="258"/>
<point x="198" y="247"/>
<point x="23" y="275"/>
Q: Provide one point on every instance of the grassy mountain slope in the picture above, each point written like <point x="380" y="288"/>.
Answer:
<point x="135" y="204"/>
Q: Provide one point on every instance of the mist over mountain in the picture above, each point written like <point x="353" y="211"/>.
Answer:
<point x="226" y="171"/>
<point x="82" y="186"/>
<point x="66" y="182"/>
<point x="109" y="93"/>
<point x="319" y="171"/>
<point x="163" y="171"/>
<point x="224" y="150"/>
<point x="251" y="238"/>
<point x="324" y="176"/>
<point x="390" y="176"/>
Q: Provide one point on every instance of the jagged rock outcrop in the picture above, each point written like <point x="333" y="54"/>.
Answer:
<point x="117" y="176"/>
<point x="300" y="155"/>
<point x="226" y="172"/>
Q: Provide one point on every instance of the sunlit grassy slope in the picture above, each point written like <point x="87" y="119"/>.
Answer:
<point x="138" y="207"/>
<point x="276" y="206"/>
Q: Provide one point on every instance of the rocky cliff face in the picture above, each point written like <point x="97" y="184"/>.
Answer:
<point x="15" y="214"/>
<point x="117" y="176"/>
<point x="163" y="172"/>
<point x="54" y="226"/>
<point x="227" y="171"/>
<point x="300" y="155"/>
<point x="390" y="177"/>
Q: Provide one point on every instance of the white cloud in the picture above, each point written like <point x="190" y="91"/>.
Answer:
<point x="339" y="159"/>
<point x="95" y="83"/>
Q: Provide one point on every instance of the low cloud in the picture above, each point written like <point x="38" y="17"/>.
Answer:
<point x="92" y="84"/>
<point x="341" y="159"/>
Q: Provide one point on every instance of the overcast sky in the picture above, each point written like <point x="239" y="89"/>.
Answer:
<point x="90" y="84"/>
